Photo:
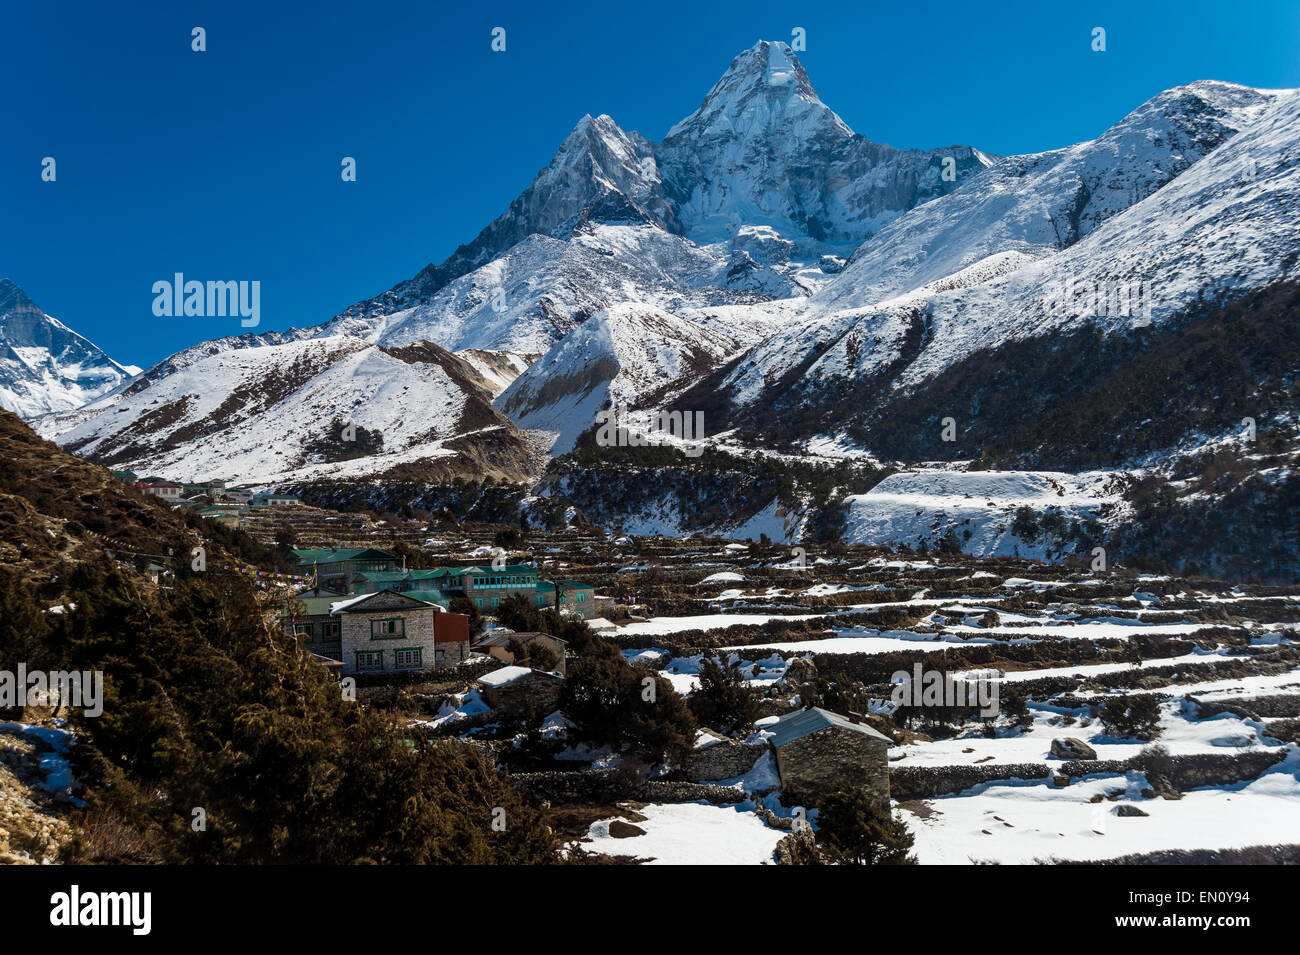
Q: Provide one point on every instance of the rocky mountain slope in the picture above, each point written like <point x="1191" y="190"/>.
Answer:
<point x="1224" y="227"/>
<point x="302" y="410"/>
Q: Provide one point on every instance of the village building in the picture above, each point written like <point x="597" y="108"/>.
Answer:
<point x="516" y="689"/>
<point x="320" y="631"/>
<point x="346" y="571"/>
<point x="575" y="597"/>
<point x="487" y="586"/>
<point x="392" y="632"/>
<point x="338" y="569"/>
<point x="817" y="749"/>
<point x="279" y="500"/>
<point x="383" y="632"/>
<point x="496" y="644"/>
<point x="169" y="491"/>
<point x="225" y="516"/>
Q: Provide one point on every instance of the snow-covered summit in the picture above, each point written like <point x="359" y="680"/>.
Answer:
<point x="46" y="366"/>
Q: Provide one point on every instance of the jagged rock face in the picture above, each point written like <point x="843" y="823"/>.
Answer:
<point x="595" y="160"/>
<point x="762" y="149"/>
<point x="1194" y="231"/>
<point x="44" y="365"/>
<point x="543" y="288"/>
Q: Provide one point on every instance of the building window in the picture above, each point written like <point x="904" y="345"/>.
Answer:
<point x="409" y="659"/>
<point x="582" y="598"/>
<point x="330" y="631"/>
<point x="392" y="628"/>
<point x="370" y="660"/>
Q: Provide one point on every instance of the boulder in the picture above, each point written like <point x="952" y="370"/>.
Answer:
<point x="799" y="671"/>
<point x="1071" y="748"/>
<point x="1128" y="809"/>
<point x="618" y="829"/>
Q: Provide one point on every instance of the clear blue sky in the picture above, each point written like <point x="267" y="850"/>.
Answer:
<point x="225" y="164"/>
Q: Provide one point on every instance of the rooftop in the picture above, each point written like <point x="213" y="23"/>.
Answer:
<point x="803" y="723"/>
<point x="508" y="675"/>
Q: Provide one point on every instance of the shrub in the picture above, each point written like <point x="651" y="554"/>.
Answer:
<point x="1135" y="716"/>
<point x="609" y="703"/>
<point x="857" y="830"/>
<point x="723" y="701"/>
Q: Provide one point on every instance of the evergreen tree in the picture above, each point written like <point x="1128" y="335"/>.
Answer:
<point x="857" y="830"/>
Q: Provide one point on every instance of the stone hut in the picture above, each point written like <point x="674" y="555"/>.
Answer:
<point x="816" y="748"/>
<point x="513" y="689"/>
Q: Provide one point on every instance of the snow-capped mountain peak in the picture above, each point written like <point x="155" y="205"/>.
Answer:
<point x="764" y="150"/>
<point x="763" y="88"/>
<point x="46" y="366"/>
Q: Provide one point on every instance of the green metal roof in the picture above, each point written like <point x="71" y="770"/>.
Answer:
<point x="429" y="596"/>
<point x="331" y="556"/>
<point x="548" y="587"/>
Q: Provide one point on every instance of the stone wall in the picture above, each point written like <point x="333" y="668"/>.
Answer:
<point x="539" y="691"/>
<point x="608" y="786"/>
<point x="725" y="760"/>
<point x="1182" y="772"/>
<point x="450" y="654"/>
<point x="1255" y="708"/>
<point x="925" y="782"/>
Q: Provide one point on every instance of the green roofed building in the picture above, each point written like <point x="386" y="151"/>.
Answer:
<point x="574" y="596"/>
<point x="339" y="569"/>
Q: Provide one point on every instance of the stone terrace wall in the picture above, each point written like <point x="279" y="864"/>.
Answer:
<point x="925" y="782"/>
<point x="1183" y="772"/>
<point x="603" y="786"/>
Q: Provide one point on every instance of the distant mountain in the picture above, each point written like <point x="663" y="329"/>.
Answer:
<point x="764" y="150"/>
<point x="302" y="410"/>
<point x="1038" y="204"/>
<point x="46" y="366"/>
<point x="838" y="309"/>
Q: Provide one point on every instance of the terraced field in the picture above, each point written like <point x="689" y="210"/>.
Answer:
<point x="1216" y="767"/>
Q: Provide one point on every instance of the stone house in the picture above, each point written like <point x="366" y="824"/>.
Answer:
<point x="815" y="749"/>
<point x="319" y="630"/>
<point x="514" y="689"/>
<point x="390" y="632"/>
<point x="496" y="644"/>
<point x="167" y="490"/>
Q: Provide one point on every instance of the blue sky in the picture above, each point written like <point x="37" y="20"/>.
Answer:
<point x="225" y="164"/>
